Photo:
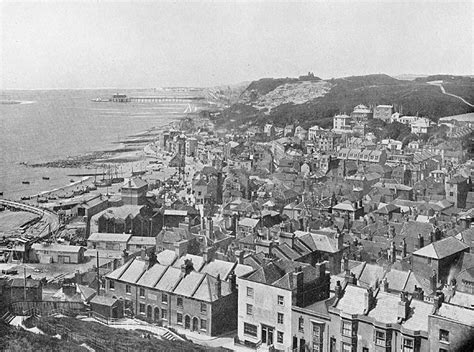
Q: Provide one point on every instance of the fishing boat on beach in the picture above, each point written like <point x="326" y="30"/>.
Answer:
<point x="25" y="198"/>
<point x="45" y="178"/>
<point x="25" y="182"/>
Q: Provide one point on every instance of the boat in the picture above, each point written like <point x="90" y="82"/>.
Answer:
<point x="25" y="198"/>
<point x="25" y="182"/>
<point x="71" y="180"/>
<point x="45" y="178"/>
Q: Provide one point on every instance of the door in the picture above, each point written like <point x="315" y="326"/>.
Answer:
<point x="187" y="322"/>
<point x="302" y="345"/>
<point x="149" y="311"/>
<point x="267" y="335"/>
<point x="195" y="324"/>
<point x="157" y="314"/>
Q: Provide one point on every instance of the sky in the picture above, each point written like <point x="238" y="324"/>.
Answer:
<point x="93" y="44"/>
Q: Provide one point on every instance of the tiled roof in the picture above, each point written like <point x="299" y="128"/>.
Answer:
<point x="169" y="280"/>
<point x="152" y="275"/>
<point x="135" y="270"/>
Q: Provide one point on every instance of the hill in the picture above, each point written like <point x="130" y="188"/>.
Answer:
<point x="315" y="102"/>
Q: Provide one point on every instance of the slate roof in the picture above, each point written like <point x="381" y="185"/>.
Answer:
<point x="386" y="308"/>
<point x="456" y="313"/>
<point x="318" y="240"/>
<point x="418" y="318"/>
<point x="56" y="248"/>
<point x="370" y="274"/>
<point x="397" y="279"/>
<point x="353" y="300"/>
<point x="442" y="248"/>
<point x="109" y="237"/>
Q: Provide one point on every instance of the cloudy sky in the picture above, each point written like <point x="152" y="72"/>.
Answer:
<point x="92" y="44"/>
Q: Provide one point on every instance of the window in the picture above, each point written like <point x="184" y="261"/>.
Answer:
<point x="281" y="300"/>
<point x="451" y="194"/>
<point x="164" y="314"/>
<point x="179" y="318"/>
<point x="128" y="289"/>
<point x="203" y="324"/>
<point x="443" y="335"/>
<point x="365" y="349"/>
<point x="279" y="336"/>
<point x="408" y="345"/>
<point x="112" y="285"/>
<point x="141" y="308"/>
<point x="250" y="292"/>
<point x="317" y="338"/>
<point x="346" y="328"/>
<point x="301" y="324"/>
<point x="250" y="330"/>
<point x="142" y="292"/>
<point x="346" y="347"/>
<point x="249" y="309"/>
<point x="164" y="298"/>
<point x="179" y="302"/>
<point x="203" y="307"/>
<point x="380" y="338"/>
<point x="280" y="318"/>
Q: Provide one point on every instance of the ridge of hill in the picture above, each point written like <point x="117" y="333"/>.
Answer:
<point x="314" y="101"/>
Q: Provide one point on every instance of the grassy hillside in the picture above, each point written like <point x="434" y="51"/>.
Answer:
<point x="410" y="97"/>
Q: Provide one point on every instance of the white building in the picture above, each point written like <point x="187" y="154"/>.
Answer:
<point x="342" y="124"/>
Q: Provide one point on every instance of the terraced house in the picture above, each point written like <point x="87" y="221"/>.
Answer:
<point x="200" y="297"/>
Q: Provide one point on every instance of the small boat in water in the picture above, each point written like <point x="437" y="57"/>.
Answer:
<point x="25" y="182"/>
<point x="71" y="180"/>
<point x="25" y="198"/>
<point x="45" y="178"/>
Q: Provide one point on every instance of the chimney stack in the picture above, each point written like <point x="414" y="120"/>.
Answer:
<point x="210" y="227"/>
<point x="187" y="267"/>
<point x="404" y="248"/>
<point x="339" y="240"/>
<point x="403" y="307"/>
<point x="233" y="281"/>
<point x="393" y="252"/>
<point x="218" y="286"/>
<point x="418" y="293"/>
<point x="369" y="299"/>
<point x="421" y="241"/>
<point x="385" y="285"/>
<point x="338" y="290"/>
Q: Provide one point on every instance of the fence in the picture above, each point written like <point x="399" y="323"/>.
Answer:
<point x="46" y="308"/>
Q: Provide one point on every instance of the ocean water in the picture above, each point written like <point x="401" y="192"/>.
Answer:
<point x="55" y="124"/>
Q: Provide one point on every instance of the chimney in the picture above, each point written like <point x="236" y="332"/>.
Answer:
<point x="345" y="266"/>
<point x="233" y="281"/>
<point x="338" y="290"/>
<point x="404" y="248"/>
<point x="187" y="267"/>
<point x="393" y="252"/>
<point x="432" y="237"/>
<point x="434" y="281"/>
<point x="321" y="269"/>
<point x="421" y="241"/>
<point x="78" y="277"/>
<point x="418" y="293"/>
<point x="202" y="224"/>
<point x="143" y="254"/>
<point x="218" y="286"/>
<point x="351" y="279"/>
<point x="369" y="300"/>
<point x="437" y="300"/>
<point x="339" y="240"/>
<point x="208" y="254"/>
<point x="297" y="278"/>
<point x="210" y="227"/>
<point x="385" y="285"/>
<point x="403" y="307"/>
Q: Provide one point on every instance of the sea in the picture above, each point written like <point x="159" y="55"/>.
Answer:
<point x="50" y="125"/>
